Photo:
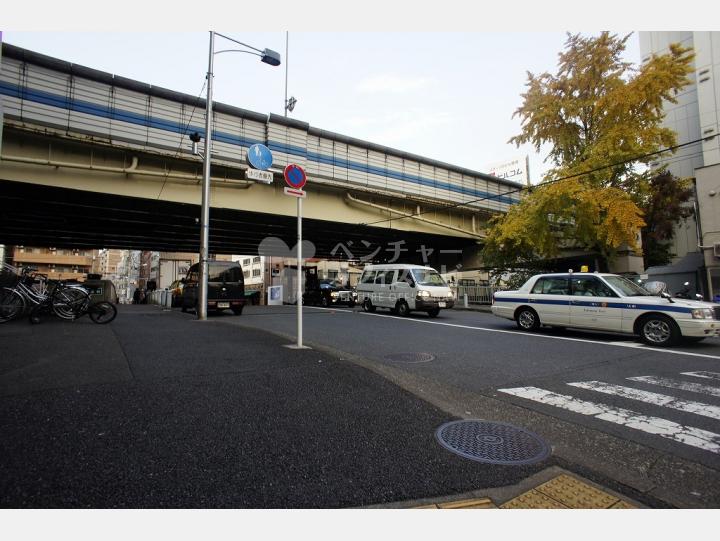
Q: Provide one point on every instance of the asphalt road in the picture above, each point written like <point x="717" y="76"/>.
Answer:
<point x="157" y="409"/>
<point x="665" y="402"/>
<point x="160" y="410"/>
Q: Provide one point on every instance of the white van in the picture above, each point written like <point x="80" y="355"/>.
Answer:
<point x="403" y="288"/>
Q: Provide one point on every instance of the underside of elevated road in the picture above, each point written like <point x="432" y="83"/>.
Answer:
<point x="38" y="215"/>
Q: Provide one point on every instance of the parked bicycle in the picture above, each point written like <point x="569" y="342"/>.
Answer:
<point x="28" y="291"/>
<point x="99" y="312"/>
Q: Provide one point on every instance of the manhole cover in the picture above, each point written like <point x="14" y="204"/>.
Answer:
<point x="494" y="443"/>
<point x="410" y="357"/>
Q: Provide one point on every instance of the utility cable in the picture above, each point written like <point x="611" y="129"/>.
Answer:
<point x="182" y="134"/>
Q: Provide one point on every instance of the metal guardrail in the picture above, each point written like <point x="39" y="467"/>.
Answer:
<point x="475" y="294"/>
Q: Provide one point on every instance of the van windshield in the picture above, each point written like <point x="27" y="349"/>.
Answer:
<point x="428" y="277"/>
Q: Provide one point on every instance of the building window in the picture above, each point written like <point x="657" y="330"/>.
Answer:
<point x="256" y="259"/>
<point x="256" y="272"/>
<point x="246" y="261"/>
<point x="246" y="274"/>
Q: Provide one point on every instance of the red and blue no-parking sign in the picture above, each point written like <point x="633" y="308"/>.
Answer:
<point x="294" y="176"/>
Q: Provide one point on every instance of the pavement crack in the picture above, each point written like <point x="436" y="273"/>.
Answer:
<point x="122" y="349"/>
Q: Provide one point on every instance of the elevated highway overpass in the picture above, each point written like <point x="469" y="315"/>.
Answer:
<point x="91" y="159"/>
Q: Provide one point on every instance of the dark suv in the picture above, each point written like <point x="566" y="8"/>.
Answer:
<point x="226" y="287"/>
<point x="327" y="292"/>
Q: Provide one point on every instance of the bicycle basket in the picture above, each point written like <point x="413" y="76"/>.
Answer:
<point x="9" y="275"/>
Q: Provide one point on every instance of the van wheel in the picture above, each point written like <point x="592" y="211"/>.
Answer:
<point x="368" y="305"/>
<point x="527" y="319"/>
<point x="402" y="309"/>
<point x="659" y="330"/>
<point x="434" y="312"/>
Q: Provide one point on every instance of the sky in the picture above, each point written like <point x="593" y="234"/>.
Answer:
<point x="445" y="95"/>
<point x="449" y="96"/>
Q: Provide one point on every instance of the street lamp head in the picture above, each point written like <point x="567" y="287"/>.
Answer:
<point x="195" y="138"/>
<point x="270" y="57"/>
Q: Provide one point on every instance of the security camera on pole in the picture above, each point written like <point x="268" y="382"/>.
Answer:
<point x="295" y="178"/>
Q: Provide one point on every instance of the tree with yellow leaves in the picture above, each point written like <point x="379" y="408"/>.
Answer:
<point x="602" y="117"/>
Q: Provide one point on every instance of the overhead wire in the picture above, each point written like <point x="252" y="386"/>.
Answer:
<point x="182" y="134"/>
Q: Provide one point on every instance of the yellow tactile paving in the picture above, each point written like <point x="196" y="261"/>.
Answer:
<point x="575" y="494"/>
<point x="533" y="500"/>
<point x="561" y="492"/>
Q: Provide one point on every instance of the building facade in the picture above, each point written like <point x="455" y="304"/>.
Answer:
<point x="56" y="263"/>
<point x="695" y="120"/>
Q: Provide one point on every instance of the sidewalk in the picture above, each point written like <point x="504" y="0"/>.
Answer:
<point x="160" y="410"/>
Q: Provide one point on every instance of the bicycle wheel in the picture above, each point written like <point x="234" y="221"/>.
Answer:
<point x="12" y="304"/>
<point x="69" y="302"/>
<point x="102" y="312"/>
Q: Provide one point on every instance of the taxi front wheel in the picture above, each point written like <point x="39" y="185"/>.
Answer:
<point x="659" y="330"/>
<point x="527" y="319"/>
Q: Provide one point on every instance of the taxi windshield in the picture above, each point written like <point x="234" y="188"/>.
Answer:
<point x="626" y="287"/>
<point x="428" y="277"/>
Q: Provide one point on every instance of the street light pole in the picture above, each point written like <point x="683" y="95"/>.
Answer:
<point x="205" y="207"/>
<point x="268" y="57"/>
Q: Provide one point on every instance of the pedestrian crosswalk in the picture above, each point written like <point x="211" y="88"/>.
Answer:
<point x="666" y="428"/>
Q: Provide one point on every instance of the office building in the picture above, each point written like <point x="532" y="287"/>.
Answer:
<point x="696" y="247"/>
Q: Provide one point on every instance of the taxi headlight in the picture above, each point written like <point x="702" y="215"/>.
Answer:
<point x="423" y="293"/>
<point x="702" y="313"/>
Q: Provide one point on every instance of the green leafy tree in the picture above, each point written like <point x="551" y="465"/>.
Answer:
<point x="600" y="116"/>
<point x="664" y="206"/>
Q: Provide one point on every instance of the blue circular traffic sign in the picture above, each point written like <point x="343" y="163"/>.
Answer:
<point x="294" y="176"/>
<point x="260" y="157"/>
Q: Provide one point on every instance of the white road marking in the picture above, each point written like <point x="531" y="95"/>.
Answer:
<point x="657" y="399"/>
<point x="677" y="384"/>
<point x="696" y="437"/>
<point x="628" y="344"/>
<point x="329" y="308"/>
<point x="548" y="337"/>
<point x="703" y="374"/>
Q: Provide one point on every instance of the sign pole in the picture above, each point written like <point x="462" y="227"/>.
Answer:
<point x="299" y="273"/>
<point x="295" y="179"/>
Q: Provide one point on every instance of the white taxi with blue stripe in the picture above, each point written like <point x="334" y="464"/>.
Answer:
<point x="607" y="302"/>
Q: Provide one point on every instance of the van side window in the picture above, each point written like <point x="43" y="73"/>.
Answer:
<point x="405" y="276"/>
<point x="385" y="277"/>
<point x="368" y="277"/>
